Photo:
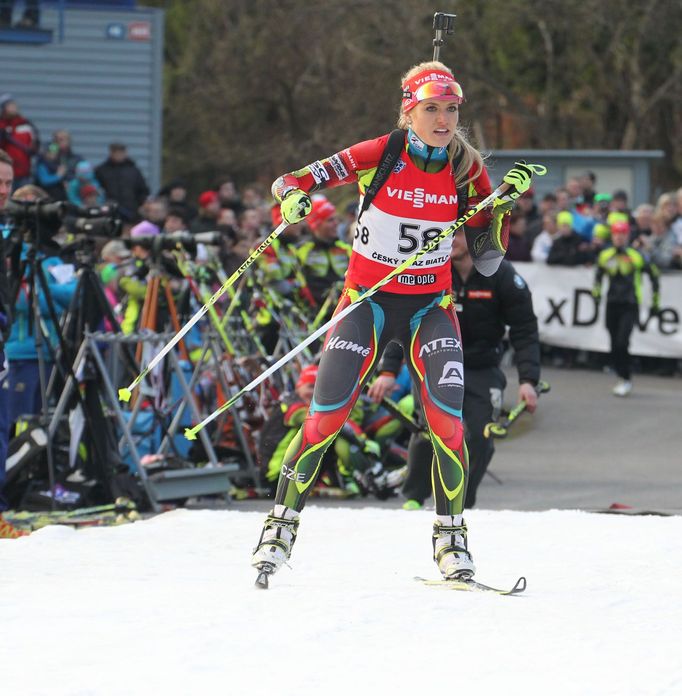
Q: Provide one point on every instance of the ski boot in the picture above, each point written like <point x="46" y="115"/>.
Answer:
<point x="450" y="548"/>
<point x="275" y="543"/>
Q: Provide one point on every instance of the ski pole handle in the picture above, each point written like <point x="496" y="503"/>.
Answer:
<point x="500" y="429"/>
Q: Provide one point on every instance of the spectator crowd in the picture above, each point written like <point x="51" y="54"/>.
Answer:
<point x="297" y="279"/>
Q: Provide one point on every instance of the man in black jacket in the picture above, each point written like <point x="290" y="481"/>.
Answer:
<point x="569" y="248"/>
<point x="123" y="182"/>
<point x="485" y="307"/>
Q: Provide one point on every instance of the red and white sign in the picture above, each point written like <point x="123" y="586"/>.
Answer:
<point x="140" y="31"/>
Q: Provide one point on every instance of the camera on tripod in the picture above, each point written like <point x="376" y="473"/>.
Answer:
<point x="36" y="221"/>
<point x="171" y="241"/>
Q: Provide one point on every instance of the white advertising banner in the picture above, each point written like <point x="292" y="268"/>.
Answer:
<point x="570" y="317"/>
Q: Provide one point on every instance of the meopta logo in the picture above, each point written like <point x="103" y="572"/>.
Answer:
<point x="419" y="197"/>
<point x="440" y="344"/>
<point x="337" y="344"/>
<point x="453" y="374"/>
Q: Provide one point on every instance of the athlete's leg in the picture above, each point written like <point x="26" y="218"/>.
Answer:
<point x="434" y="351"/>
<point x="348" y="357"/>
<point x="435" y="357"/>
<point x="626" y="324"/>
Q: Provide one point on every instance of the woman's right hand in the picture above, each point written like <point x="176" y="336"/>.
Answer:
<point x="296" y="206"/>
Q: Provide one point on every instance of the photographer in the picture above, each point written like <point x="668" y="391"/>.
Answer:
<point x="152" y="256"/>
<point x="7" y="531"/>
<point x="33" y="337"/>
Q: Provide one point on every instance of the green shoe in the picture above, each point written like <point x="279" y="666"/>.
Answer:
<point x="412" y="505"/>
<point x="351" y="487"/>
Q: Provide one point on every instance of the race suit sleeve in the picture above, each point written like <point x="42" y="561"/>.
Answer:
<point x="487" y="235"/>
<point x="344" y="167"/>
<point x="392" y="359"/>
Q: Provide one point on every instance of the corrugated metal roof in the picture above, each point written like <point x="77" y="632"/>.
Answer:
<point x="100" y="89"/>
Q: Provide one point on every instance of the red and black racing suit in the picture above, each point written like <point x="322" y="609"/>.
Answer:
<point x="415" y="308"/>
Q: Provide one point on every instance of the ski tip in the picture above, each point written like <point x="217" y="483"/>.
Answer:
<point x="124" y="394"/>
<point x="520" y="585"/>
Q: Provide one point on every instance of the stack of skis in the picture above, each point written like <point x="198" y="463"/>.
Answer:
<point x="121" y="511"/>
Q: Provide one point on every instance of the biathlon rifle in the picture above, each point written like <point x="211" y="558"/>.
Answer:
<point x="442" y="24"/>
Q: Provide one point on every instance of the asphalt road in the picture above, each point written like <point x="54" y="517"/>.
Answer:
<point x="583" y="449"/>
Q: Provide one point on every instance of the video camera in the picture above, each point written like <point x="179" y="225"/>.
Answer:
<point x="169" y="242"/>
<point x="41" y="220"/>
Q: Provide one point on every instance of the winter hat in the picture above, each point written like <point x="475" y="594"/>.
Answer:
<point x="322" y="210"/>
<point x="115" y="248"/>
<point x="620" y="227"/>
<point x="144" y="229"/>
<point x="88" y="190"/>
<point x="601" y="231"/>
<point x="615" y="216"/>
<point x="564" y="218"/>
<point x="308" y="376"/>
<point x="84" y="170"/>
<point x="5" y="98"/>
<point x="207" y="198"/>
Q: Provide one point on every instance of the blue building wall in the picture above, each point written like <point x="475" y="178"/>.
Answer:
<point x="100" y="79"/>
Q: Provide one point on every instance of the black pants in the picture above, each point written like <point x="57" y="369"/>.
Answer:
<point x="483" y="390"/>
<point x="620" y="322"/>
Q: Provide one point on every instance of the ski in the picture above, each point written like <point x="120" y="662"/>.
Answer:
<point x="37" y="520"/>
<point x="121" y="505"/>
<point x="471" y="585"/>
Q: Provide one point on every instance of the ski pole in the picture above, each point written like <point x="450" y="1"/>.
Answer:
<point x="125" y="393"/>
<point x="500" y="429"/>
<point x="191" y="433"/>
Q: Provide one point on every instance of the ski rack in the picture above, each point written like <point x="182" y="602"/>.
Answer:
<point x="164" y="485"/>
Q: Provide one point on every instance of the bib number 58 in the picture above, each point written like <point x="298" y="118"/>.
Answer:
<point x="410" y="236"/>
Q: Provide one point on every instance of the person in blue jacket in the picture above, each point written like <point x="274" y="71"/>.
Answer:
<point x="85" y="176"/>
<point x="25" y="394"/>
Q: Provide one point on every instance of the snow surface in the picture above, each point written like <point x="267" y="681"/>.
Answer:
<point x="168" y="606"/>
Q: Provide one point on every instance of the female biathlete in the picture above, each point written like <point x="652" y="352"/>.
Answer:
<point x="423" y="195"/>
